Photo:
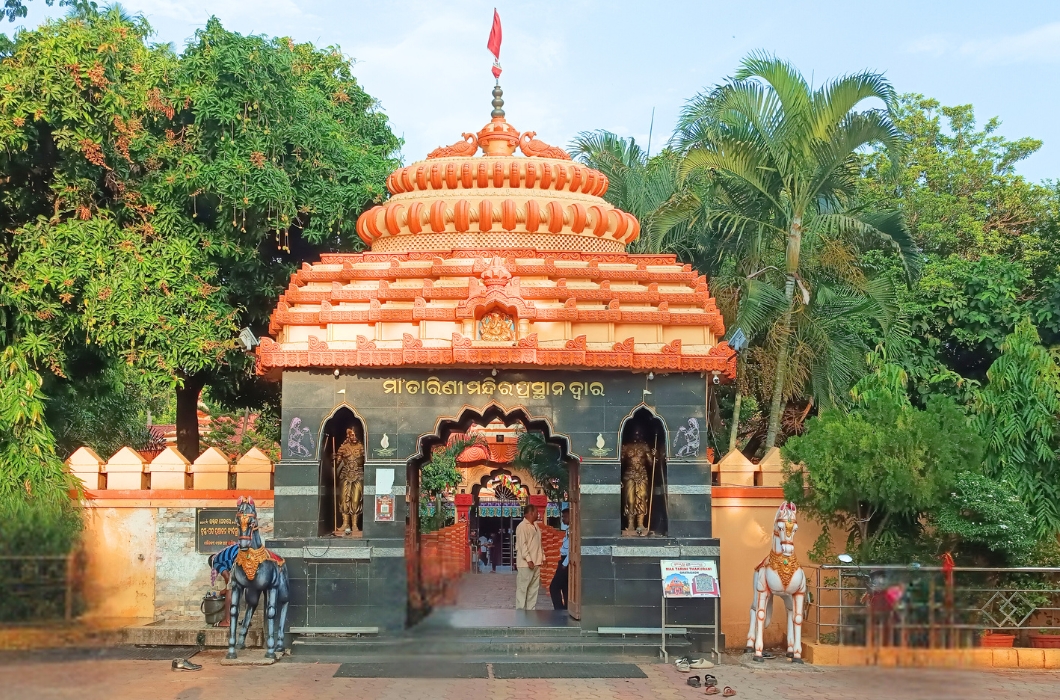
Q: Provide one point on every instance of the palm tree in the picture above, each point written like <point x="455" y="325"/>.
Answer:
<point x="781" y="158"/>
<point x="650" y="188"/>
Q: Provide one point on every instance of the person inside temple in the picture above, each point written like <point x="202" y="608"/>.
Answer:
<point x="558" y="588"/>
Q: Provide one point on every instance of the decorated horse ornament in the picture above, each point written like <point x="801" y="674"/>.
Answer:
<point x="256" y="570"/>
<point x="779" y="574"/>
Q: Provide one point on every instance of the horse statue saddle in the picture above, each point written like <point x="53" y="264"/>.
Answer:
<point x="250" y="559"/>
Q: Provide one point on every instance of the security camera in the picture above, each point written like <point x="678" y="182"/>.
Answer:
<point x="247" y="340"/>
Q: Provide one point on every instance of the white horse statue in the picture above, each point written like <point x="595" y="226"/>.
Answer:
<point x="779" y="574"/>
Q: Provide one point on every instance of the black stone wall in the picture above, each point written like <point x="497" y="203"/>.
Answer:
<point x="362" y="582"/>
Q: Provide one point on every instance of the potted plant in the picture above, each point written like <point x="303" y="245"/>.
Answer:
<point x="996" y="639"/>
<point x="1045" y="638"/>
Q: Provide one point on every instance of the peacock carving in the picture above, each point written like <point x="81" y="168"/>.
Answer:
<point x="467" y="147"/>
<point x="534" y="148"/>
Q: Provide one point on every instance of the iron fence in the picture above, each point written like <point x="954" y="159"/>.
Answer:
<point x="36" y="588"/>
<point x="932" y="607"/>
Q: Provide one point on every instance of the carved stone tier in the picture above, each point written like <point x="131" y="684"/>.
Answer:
<point x="503" y="260"/>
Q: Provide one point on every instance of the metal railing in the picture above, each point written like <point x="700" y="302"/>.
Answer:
<point x="36" y="588"/>
<point x="929" y="607"/>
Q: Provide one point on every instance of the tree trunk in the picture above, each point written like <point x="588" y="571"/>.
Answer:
<point x="782" y="368"/>
<point x="740" y="365"/>
<point x="791" y="261"/>
<point x="188" y="415"/>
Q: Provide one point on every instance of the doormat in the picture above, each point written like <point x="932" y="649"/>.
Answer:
<point x="119" y="653"/>
<point x="567" y="670"/>
<point x="412" y="669"/>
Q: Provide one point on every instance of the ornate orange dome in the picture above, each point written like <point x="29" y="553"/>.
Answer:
<point x="454" y="199"/>
<point x="502" y="260"/>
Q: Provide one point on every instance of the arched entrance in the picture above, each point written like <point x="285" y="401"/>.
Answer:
<point x="446" y="571"/>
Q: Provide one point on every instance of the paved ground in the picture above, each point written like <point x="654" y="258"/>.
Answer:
<point x="493" y="590"/>
<point x="136" y="680"/>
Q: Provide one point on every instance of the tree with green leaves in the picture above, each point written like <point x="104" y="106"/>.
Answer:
<point x="36" y="513"/>
<point x="782" y="162"/>
<point x="984" y="520"/>
<point x="438" y="475"/>
<point x="544" y="462"/>
<point x="957" y="183"/>
<point x="876" y="468"/>
<point x="1018" y="413"/>
<point x="154" y="204"/>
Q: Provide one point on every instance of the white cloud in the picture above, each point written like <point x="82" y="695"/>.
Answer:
<point x="1038" y="45"/>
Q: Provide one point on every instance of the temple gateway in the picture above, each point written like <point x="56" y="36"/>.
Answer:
<point x="495" y="298"/>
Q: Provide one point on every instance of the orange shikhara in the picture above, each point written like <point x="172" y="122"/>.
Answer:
<point x="501" y="260"/>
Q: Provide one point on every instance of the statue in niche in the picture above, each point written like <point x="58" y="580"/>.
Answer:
<point x="638" y="461"/>
<point x="496" y="326"/>
<point x="350" y="472"/>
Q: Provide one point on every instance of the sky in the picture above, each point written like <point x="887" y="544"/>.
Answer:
<point x="581" y="65"/>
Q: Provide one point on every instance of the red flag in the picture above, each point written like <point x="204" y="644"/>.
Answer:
<point x="494" y="43"/>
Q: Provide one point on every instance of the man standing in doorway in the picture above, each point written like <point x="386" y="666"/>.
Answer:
<point x="529" y="557"/>
<point x="558" y="588"/>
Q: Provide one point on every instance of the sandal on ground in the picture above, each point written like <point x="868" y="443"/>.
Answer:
<point x="693" y="681"/>
<point x="728" y="692"/>
<point x="709" y="681"/>
<point x="185" y="665"/>
<point x="682" y="665"/>
<point x="700" y="664"/>
<point x="711" y="690"/>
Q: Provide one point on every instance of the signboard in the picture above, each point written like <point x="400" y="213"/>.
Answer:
<point x="690" y="578"/>
<point x="215" y="529"/>
<point x="384" y="509"/>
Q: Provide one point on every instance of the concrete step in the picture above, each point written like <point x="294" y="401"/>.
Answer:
<point x="186" y="633"/>
<point x="461" y="632"/>
<point x="413" y="646"/>
<point x="309" y="658"/>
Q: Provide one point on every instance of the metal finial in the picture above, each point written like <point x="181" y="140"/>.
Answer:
<point x="498" y="101"/>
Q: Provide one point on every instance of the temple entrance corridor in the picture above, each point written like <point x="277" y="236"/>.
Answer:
<point x="461" y="574"/>
<point x="493" y="591"/>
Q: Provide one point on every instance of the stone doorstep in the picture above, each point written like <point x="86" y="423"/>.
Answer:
<point x="977" y="657"/>
<point x="185" y="632"/>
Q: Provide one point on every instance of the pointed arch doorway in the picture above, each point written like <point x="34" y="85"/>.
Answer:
<point x="442" y="561"/>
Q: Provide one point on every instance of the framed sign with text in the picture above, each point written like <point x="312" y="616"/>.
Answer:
<point x="690" y="579"/>
<point x="215" y="529"/>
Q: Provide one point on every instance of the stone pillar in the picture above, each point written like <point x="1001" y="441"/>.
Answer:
<point x="463" y="506"/>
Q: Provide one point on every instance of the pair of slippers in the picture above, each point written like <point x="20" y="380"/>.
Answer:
<point x="712" y="686"/>
<point x="686" y="664"/>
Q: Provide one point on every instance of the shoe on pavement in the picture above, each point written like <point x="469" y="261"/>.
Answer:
<point x="185" y="665"/>
<point x="700" y="663"/>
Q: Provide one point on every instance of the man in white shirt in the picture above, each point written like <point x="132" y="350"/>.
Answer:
<point x="558" y="588"/>
<point x="529" y="557"/>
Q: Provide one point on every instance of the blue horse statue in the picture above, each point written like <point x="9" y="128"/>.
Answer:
<point x="256" y="570"/>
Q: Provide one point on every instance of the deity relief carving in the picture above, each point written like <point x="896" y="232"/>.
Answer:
<point x="299" y="439"/>
<point x="496" y="326"/>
